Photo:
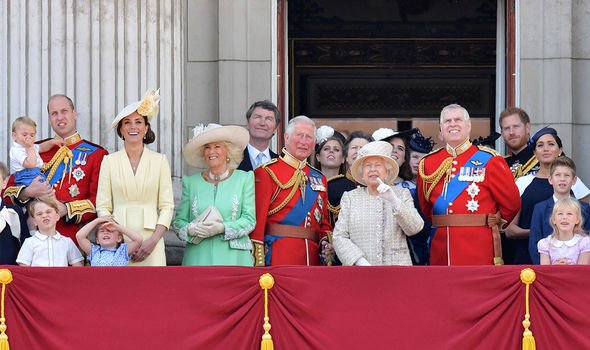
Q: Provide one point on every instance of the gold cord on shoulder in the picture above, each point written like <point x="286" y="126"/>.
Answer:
<point x="298" y="180"/>
<point x="63" y="154"/>
<point x="430" y="181"/>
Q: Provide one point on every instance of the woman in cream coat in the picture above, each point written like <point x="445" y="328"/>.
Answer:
<point x="135" y="184"/>
<point x="375" y="220"/>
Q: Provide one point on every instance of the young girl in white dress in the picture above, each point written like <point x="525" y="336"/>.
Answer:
<point x="568" y="244"/>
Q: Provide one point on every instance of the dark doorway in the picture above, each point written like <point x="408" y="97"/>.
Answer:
<point x="392" y="63"/>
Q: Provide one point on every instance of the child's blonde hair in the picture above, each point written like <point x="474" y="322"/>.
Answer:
<point x="48" y="201"/>
<point x="23" y="120"/>
<point x="570" y="203"/>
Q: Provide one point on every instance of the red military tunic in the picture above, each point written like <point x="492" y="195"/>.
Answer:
<point x="276" y="182"/>
<point x="74" y="184"/>
<point x="478" y="191"/>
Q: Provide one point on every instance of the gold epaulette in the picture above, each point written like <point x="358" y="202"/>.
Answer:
<point x="434" y="151"/>
<point x="488" y="149"/>
<point x="335" y="177"/>
<point x="78" y="208"/>
<point x="272" y="161"/>
<point x="12" y="192"/>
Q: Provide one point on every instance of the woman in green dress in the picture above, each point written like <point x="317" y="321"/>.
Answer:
<point x="217" y="211"/>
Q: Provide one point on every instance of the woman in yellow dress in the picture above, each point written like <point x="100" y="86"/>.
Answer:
<point x="135" y="184"/>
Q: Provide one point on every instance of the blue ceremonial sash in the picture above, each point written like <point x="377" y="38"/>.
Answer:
<point x="455" y="187"/>
<point x="295" y="217"/>
<point x="81" y="152"/>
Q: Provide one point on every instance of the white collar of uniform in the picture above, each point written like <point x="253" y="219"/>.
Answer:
<point x="43" y="237"/>
<point x="253" y="152"/>
<point x="570" y="243"/>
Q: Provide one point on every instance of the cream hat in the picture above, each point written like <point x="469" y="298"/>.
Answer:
<point x="148" y="107"/>
<point x="380" y="149"/>
<point x="202" y="135"/>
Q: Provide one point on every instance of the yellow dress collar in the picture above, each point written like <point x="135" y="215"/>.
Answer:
<point x="292" y="161"/>
<point x="70" y="140"/>
<point x="461" y="148"/>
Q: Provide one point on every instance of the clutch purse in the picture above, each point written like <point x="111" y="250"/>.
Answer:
<point x="209" y="214"/>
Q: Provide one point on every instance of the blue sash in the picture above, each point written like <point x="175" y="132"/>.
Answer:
<point x="455" y="187"/>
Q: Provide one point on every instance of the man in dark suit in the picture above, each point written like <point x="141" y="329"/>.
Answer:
<point x="263" y="118"/>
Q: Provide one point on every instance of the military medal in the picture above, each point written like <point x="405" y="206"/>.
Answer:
<point x="318" y="215"/>
<point x="320" y="202"/>
<point x="316" y="184"/>
<point x="78" y="174"/>
<point x="74" y="190"/>
<point x="472" y="205"/>
<point x="473" y="190"/>
<point x="78" y="160"/>
<point x="83" y="162"/>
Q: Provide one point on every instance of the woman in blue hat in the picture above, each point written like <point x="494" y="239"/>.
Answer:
<point x="547" y="146"/>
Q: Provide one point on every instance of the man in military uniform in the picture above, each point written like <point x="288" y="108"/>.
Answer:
<point x="467" y="191"/>
<point x="71" y="170"/>
<point x="515" y="125"/>
<point x="291" y="204"/>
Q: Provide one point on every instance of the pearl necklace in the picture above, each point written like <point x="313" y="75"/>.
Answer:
<point x="218" y="178"/>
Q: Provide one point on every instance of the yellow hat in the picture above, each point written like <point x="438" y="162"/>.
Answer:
<point x="148" y="107"/>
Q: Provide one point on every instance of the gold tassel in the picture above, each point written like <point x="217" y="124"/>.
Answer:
<point x="5" y="278"/>
<point x="527" y="276"/>
<point x="266" y="282"/>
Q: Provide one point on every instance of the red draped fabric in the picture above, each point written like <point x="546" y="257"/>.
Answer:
<point x="309" y="308"/>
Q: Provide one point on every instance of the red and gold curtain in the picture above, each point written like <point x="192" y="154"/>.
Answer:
<point x="309" y="308"/>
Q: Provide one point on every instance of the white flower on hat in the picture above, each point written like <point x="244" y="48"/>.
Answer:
<point x="383" y="133"/>
<point x="323" y="133"/>
<point x="201" y="128"/>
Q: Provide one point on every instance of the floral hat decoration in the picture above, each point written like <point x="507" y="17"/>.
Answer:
<point x="324" y="133"/>
<point x="147" y="107"/>
<point x="202" y="135"/>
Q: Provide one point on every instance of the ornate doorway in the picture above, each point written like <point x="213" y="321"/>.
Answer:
<point x="392" y="63"/>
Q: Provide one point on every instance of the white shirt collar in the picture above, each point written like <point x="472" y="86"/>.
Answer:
<point x="569" y="243"/>
<point x="43" y="237"/>
<point x="253" y="152"/>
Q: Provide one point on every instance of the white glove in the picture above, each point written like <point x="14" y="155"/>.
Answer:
<point x="386" y="193"/>
<point x="362" y="262"/>
<point x="208" y="229"/>
<point x="192" y="229"/>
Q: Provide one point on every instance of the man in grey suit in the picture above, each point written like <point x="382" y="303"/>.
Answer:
<point x="263" y="119"/>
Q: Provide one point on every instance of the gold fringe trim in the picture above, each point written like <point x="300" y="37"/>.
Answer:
<point x="5" y="278"/>
<point x="266" y="281"/>
<point x="298" y="180"/>
<point x="430" y="181"/>
<point x="63" y="154"/>
<point x="527" y="276"/>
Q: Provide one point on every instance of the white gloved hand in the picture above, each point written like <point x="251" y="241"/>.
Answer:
<point x="209" y="228"/>
<point x="362" y="262"/>
<point x="192" y="229"/>
<point x="386" y="193"/>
